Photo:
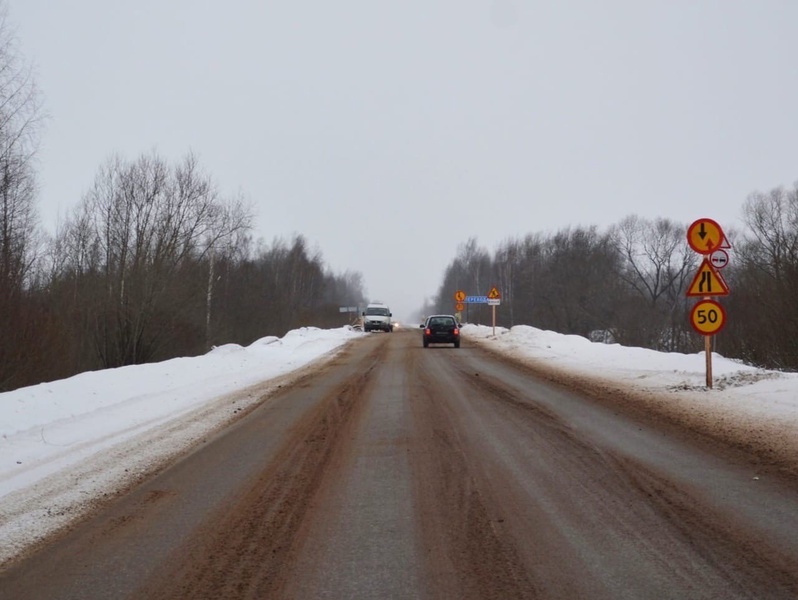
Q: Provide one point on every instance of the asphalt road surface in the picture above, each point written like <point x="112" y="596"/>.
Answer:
<point x="396" y="471"/>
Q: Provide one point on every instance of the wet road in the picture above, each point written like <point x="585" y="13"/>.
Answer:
<point x="402" y="472"/>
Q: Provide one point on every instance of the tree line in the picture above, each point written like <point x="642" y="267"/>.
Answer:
<point x="628" y="283"/>
<point x="153" y="262"/>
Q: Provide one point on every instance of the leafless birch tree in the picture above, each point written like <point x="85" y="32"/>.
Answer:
<point x="20" y="123"/>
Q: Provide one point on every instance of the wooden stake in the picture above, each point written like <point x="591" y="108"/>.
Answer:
<point x="708" y="352"/>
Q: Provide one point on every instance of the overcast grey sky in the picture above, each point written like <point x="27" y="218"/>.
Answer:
<point x="387" y="133"/>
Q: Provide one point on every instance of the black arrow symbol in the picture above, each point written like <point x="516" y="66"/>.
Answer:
<point x="702" y="233"/>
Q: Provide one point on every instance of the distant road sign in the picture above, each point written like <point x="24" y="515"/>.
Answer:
<point x="705" y="236"/>
<point x="708" y="282"/>
<point x="459" y="296"/>
<point x="476" y="299"/>
<point x="494" y="301"/>
<point x="459" y="307"/>
<point x="719" y="259"/>
<point x="708" y="317"/>
<point x="494" y="294"/>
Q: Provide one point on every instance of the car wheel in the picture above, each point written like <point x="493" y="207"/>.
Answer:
<point x="457" y="344"/>
<point x="426" y="344"/>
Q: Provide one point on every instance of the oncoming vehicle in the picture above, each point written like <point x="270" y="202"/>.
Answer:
<point x="377" y="317"/>
<point x="441" y="329"/>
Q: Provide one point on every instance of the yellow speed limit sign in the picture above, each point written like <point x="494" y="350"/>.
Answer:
<point x="708" y="317"/>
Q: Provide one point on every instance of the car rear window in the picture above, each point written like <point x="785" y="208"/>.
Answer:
<point x="441" y="321"/>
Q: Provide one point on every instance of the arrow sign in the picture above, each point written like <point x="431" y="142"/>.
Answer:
<point x="705" y="236"/>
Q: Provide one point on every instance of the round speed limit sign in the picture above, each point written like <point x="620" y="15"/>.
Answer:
<point x="708" y="317"/>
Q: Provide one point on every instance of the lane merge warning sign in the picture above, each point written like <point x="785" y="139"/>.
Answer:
<point x="708" y="282"/>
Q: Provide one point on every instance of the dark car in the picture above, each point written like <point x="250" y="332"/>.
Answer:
<point x="441" y="329"/>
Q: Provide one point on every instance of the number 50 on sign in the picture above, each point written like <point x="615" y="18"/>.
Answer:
<point x="708" y="317"/>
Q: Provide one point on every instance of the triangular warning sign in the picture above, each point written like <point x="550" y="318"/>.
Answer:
<point x="494" y="294"/>
<point x="725" y="245"/>
<point x="708" y="282"/>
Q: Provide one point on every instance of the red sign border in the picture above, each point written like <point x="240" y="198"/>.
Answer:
<point x="723" y="251"/>
<point x="723" y="243"/>
<point x="724" y="286"/>
<point x="716" y="304"/>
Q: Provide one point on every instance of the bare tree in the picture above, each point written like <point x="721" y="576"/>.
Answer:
<point x="144" y="229"/>
<point x="20" y="122"/>
<point x="576" y="287"/>
<point x="762" y="326"/>
<point x="772" y="245"/>
<point x="231" y="221"/>
<point x="507" y="266"/>
<point x="476" y="263"/>
<point x="564" y="282"/>
<point x="284" y="286"/>
<point x="658" y="264"/>
<point x="470" y="272"/>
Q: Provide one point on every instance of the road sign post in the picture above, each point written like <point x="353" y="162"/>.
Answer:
<point x="708" y="317"/>
<point x="708" y="360"/>
<point x="459" y="299"/>
<point x="494" y="299"/>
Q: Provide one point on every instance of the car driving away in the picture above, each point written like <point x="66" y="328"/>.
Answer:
<point x="441" y="329"/>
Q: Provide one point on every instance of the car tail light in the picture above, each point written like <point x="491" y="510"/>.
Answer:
<point x="456" y="331"/>
<point x="427" y="331"/>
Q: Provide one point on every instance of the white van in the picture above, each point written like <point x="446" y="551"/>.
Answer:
<point x="377" y="317"/>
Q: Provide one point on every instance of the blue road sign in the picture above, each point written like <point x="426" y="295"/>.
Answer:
<point x="476" y="299"/>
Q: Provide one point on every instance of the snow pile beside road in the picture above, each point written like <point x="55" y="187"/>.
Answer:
<point x="65" y="445"/>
